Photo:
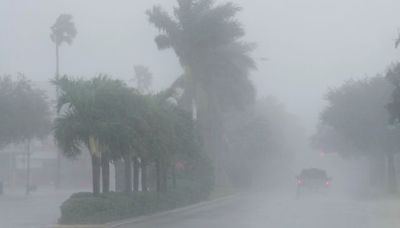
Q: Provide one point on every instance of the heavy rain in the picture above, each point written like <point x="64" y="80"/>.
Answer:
<point x="200" y="113"/>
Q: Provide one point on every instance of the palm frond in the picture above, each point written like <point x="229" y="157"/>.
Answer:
<point x="161" y="20"/>
<point x="163" y="42"/>
<point x="63" y="30"/>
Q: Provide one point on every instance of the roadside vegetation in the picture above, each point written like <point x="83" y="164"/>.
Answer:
<point x="166" y="146"/>
<point x="361" y="121"/>
<point x="174" y="147"/>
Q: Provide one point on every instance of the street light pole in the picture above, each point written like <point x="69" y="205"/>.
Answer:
<point x="28" y="167"/>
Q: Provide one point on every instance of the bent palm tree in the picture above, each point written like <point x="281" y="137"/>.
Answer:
<point x="76" y="126"/>
<point x="63" y="31"/>
<point x="104" y="116"/>
<point x="207" y="40"/>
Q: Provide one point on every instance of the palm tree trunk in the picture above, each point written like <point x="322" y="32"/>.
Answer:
<point x="158" y="176"/>
<point x="105" y="173"/>
<point x="96" y="175"/>
<point x="58" y="168"/>
<point x="119" y="176"/>
<point x="144" y="174"/>
<point x="135" y="174"/>
<point x="164" y="177"/>
<point x="128" y="174"/>
<point x="173" y="174"/>
<point x="392" y="182"/>
<point x="57" y="61"/>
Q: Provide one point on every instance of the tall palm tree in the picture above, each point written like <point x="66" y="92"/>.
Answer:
<point x="63" y="31"/>
<point x="207" y="39"/>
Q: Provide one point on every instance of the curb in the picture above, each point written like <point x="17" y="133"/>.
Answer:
<point x="78" y="226"/>
<point x="144" y="218"/>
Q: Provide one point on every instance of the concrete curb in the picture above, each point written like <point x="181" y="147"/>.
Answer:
<point x="78" y="226"/>
<point x="169" y="212"/>
<point x="144" y="218"/>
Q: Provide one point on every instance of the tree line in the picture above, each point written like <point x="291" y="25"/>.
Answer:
<point x="360" y="120"/>
<point x="115" y="122"/>
<point x="208" y="114"/>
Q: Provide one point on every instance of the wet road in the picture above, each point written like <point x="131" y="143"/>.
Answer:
<point x="247" y="211"/>
<point x="259" y="210"/>
<point x="38" y="210"/>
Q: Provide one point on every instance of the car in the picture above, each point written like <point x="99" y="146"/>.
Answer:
<point x="313" y="181"/>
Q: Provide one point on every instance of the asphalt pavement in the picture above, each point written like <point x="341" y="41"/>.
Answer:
<point x="256" y="210"/>
<point x="247" y="210"/>
<point x="38" y="210"/>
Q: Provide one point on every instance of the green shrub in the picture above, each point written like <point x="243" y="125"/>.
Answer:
<point x="193" y="185"/>
<point x="85" y="208"/>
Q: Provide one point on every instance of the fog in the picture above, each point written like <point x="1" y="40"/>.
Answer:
<point x="310" y="45"/>
<point x="304" y="49"/>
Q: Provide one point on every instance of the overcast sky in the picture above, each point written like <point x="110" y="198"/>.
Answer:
<point x="311" y="44"/>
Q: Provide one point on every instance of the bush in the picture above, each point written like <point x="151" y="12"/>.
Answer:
<point x="193" y="185"/>
<point x="85" y="208"/>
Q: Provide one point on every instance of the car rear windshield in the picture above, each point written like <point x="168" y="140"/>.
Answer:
<point x="313" y="173"/>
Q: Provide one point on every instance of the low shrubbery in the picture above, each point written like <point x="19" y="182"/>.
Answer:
<point x="85" y="208"/>
<point x="191" y="185"/>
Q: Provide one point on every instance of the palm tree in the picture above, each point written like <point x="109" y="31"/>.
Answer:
<point x="207" y="39"/>
<point x="76" y="126"/>
<point x="63" y="31"/>
<point x="106" y="117"/>
<point x="143" y="78"/>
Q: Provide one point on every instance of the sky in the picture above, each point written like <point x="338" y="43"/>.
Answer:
<point x="311" y="45"/>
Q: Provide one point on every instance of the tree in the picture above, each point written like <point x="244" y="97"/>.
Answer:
<point x="393" y="76"/>
<point x="357" y="122"/>
<point x="63" y="31"/>
<point x="114" y="122"/>
<point x="98" y="114"/>
<point x="24" y="111"/>
<point x="207" y="40"/>
<point x="24" y="114"/>
<point x="143" y="78"/>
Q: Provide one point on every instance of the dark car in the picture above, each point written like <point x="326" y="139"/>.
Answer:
<point x="313" y="181"/>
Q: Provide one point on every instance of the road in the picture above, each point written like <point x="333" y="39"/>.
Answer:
<point x="284" y="211"/>
<point x="37" y="210"/>
<point x="251" y="210"/>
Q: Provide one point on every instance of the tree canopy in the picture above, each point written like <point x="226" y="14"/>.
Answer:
<point x="207" y="40"/>
<point x="63" y="30"/>
<point x="357" y="112"/>
<point x="114" y="121"/>
<point x="24" y="111"/>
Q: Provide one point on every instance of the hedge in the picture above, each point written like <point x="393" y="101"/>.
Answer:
<point x="85" y="208"/>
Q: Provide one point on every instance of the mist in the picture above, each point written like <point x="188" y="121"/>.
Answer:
<point x="302" y="92"/>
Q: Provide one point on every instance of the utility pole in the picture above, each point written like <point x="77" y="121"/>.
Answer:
<point x="28" y="167"/>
